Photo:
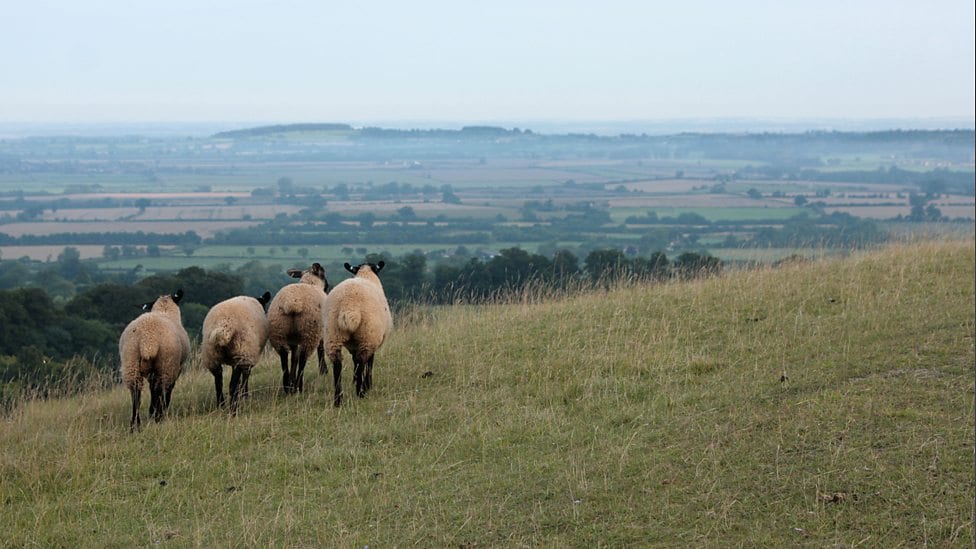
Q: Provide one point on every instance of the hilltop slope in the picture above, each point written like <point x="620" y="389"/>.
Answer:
<point x="644" y="415"/>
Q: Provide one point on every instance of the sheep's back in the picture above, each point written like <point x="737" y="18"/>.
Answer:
<point x="357" y="301"/>
<point x="295" y="315"/>
<point x="237" y="326"/>
<point x="153" y="341"/>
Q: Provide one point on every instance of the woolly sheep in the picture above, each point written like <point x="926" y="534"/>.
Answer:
<point x="296" y="317"/>
<point x="358" y="318"/>
<point x="154" y="346"/>
<point x="234" y="333"/>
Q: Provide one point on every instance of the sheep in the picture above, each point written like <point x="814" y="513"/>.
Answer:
<point x="234" y="332"/>
<point x="358" y="318"/>
<point x="296" y="317"/>
<point x="154" y="346"/>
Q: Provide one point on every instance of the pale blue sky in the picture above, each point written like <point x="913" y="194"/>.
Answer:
<point x="502" y="60"/>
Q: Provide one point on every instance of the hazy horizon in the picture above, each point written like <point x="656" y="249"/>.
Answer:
<point x="539" y="64"/>
<point x="14" y="130"/>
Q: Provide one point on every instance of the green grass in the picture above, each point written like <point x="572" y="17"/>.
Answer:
<point x="642" y="416"/>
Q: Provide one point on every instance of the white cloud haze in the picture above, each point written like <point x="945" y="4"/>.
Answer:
<point x="298" y="60"/>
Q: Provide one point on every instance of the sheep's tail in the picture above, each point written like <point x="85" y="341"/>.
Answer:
<point x="148" y="348"/>
<point x="291" y="305"/>
<point x="349" y="320"/>
<point x="222" y="333"/>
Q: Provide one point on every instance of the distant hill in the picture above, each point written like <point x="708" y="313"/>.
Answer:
<point x="370" y="131"/>
<point x="262" y="131"/>
<point x="820" y="140"/>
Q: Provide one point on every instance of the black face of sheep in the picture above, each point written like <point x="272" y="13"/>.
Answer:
<point x="264" y="300"/>
<point x="375" y="267"/>
<point x="316" y="269"/>
<point x="146" y="307"/>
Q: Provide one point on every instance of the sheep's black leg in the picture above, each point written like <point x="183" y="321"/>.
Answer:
<point x="337" y="380"/>
<point x="358" y="373"/>
<point x="151" y="379"/>
<point x="167" y="396"/>
<point x="136" y="391"/>
<point x="155" y="398"/>
<point x="235" y="389"/>
<point x="369" y="373"/>
<point x="300" y="372"/>
<point x="323" y="365"/>
<point x="218" y="375"/>
<point x="293" y="370"/>
<point x="285" y="379"/>
<point x="247" y="383"/>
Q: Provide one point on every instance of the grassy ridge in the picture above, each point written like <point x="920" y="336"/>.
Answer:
<point x="643" y="415"/>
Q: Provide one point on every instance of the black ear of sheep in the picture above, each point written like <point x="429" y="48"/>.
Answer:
<point x="264" y="299"/>
<point x="146" y="307"/>
<point x="294" y="273"/>
<point x="350" y="268"/>
<point x="379" y="266"/>
<point x="178" y="296"/>
<point x="318" y="270"/>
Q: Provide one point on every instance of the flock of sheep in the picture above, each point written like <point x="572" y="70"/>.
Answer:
<point x="303" y="316"/>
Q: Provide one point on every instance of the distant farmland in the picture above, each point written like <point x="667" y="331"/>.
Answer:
<point x="205" y="229"/>
<point x="47" y="253"/>
<point x="265" y="196"/>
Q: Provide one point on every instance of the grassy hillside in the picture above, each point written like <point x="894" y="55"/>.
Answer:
<point x="654" y="415"/>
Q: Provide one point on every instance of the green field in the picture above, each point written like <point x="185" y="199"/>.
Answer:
<point x="715" y="215"/>
<point x="821" y="404"/>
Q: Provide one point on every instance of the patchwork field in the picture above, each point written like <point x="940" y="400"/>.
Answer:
<point x="888" y="212"/>
<point x="477" y="186"/>
<point x="205" y="229"/>
<point x="48" y="253"/>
